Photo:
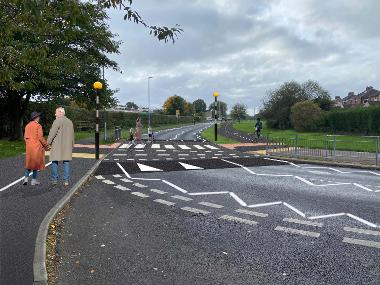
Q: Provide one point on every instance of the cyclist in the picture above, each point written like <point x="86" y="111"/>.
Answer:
<point x="258" y="127"/>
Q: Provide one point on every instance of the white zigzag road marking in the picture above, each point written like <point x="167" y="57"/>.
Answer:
<point x="242" y="203"/>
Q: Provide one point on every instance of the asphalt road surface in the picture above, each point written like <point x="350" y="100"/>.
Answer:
<point x="195" y="217"/>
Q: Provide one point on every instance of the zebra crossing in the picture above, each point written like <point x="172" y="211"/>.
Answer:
<point x="169" y="146"/>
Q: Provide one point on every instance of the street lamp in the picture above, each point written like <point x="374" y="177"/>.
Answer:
<point x="215" y="94"/>
<point x="150" y="77"/>
<point x="97" y="86"/>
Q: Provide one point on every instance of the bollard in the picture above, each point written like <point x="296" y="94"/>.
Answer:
<point x="377" y="151"/>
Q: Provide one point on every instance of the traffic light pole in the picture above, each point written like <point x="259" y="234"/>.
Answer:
<point x="97" y="127"/>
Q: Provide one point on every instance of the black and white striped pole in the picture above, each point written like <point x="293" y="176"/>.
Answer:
<point x="97" y="86"/>
<point x="215" y="94"/>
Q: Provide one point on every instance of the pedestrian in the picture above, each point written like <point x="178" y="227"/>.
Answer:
<point x="258" y="127"/>
<point x="35" y="145"/>
<point x="131" y="135"/>
<point x="150" y="134"/>
<point x="138" y="131"/>
<point x="61" y="139"/>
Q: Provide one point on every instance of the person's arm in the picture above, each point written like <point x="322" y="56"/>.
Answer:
<point x="53" y="132"/>
<point x="40" y="136"/>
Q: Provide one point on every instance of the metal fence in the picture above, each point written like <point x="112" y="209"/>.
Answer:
<point x="362" y="150"/>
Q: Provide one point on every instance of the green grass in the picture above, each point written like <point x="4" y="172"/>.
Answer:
<point x="209" y="135"/>
<point x="317" y="140"/>
<point x="11" y="148"/>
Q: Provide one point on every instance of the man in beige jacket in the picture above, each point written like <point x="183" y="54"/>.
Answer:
<point x="61" y="139"/>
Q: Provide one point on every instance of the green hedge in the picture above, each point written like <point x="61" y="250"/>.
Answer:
<point x="356" y="120"/>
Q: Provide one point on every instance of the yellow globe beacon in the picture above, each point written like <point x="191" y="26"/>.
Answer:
<point x="215" y="94"/>
<point x="98" y="85"/>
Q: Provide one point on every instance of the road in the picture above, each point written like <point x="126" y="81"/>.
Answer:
<point x="191" y="132"/>
<point x="190" y="212"/>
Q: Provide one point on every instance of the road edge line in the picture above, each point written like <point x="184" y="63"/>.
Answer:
<point x="39" y="260"/>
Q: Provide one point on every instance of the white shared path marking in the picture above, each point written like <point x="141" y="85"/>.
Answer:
<point x="155" y="146"/>
<point x="361" y="231"/>
<point x="126" y="180"/>
<point x="194" y="210"/>
<point x="368" y="243"/>
<point x="100" y="177"/>
<point x="198" y="146"/>
<point x="139" y="194"/>
<point x="140" y="185"/>
<point x="251" y="213"/>
<point x="145" y="168"/>
<point x="211" y="147"/>
<point x="237" y="219"/>
<point x="212" y="205"/>
<point x="189" y="166"/>
<point x="298" y="232"/>
<point x="169" y="146"/>
<point x="167" y="203"/>
<point x="109" y="182"/>
<point x="19" y="180"/>
<point x="125" y="146"/>
<point x="303" y="222"/>
<point x="140" y="146"/>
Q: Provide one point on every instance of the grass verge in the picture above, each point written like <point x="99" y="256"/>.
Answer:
<point x="318" y="140"/>
<point x="208" y="134"/>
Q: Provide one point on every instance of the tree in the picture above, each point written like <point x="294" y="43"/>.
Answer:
<point x="131" y="105"/>
<point x="53" y="48"/>
<point x="305" y="115"/>
<point x="176" y="102"/>
<point x="238" y="112"/>
<point x="199" y="106"/>
<point x="277" y="106"/>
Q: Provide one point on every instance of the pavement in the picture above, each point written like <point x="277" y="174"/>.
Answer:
<point x="196" y="217"/>
<point x="22" y="209"/>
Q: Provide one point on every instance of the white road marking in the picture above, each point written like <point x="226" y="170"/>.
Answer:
<point x="194" y="210"/>
<point x="237" y="199"/>
<point x="252" y="213"/>
<point x="201" y="154"/>
<point x="99" y="177"/>
<point x="294" y="209"/>
<point x="291" y="163"/>
<point x="160" y="150"/>
<point x="298" y="232"/>
<point x="211" y="147"/>
<point x="363" y="242"/>
<point x="144" y="167"/>
<point x="189" y="166"/>
<point x="361" y="231"/>
<point x="126" y="180"/>
<point x="182" y="198"/>
<point x="168" y="203"/>
<point x="124" y="171"/>
<point x="121" y="187"/>
<point x="237" y="219"/>
<point x="183" y="154"/>
<point x="326" y="216"/>
<point x="198" y="146"/>
<point x="20" y="179"/>
<point x="208" y="193"/>
<point x="146" y="179"/>
<point x="141" y="154"/>
<point x="264" y="204"/>
<point x="140" y="185"/>
<point x="109" y="182"/>
<point x="139" y="194"/>
<point x="155" y="146"/>
<point x="303" y="222"/>
<point x="184" y="146"/>
<point x="361" y="220"/>
<point x="158" y="191"/>
<point x="362" y="187"/>
<point x="120" y="154"/>
<point x="174" y="186"/>
<point x="169" y="146"/>
<point x="117" y="175"/>
<point x="139" y="146"/>
<point x="212" y="205"/>
<point x="125" y="146"/>
<point x="163" y="154"/>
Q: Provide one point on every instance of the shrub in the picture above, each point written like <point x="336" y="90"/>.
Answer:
<point x="305" y="115"/>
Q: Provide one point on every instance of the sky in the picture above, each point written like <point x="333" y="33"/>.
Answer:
<point x="244" y="48"/>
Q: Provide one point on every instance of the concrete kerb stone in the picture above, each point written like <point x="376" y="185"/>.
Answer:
<point x="39" y="263"/>
<point x="323" y="162"/>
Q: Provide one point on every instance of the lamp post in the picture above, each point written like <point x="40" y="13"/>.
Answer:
<point x="215" y="94"/>
<point x="97" y="86"/>
<point x="150" y="77"/>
